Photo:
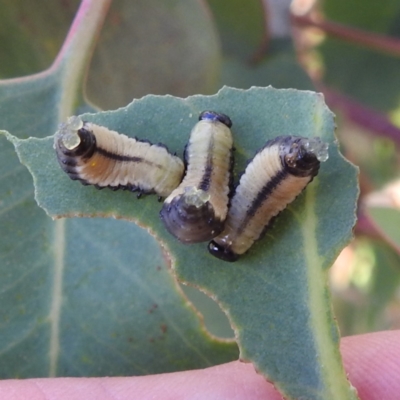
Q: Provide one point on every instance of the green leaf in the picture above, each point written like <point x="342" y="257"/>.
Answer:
<point x="242" y="26"/>
<point x="387" y="221"/>
<point x="363" y="306"/>
<point x="75" y="304"/>
<point x="159" y="47"/>
<point x="176" y="52"/>
<point x="384" y="283"/>
<point x="276" y="296"/>
<point x="250" y="56"/>
<point x="367" y="75"/>
<point x="281" y="71"/>
<point x="377" y="17"/>
<point x="31" y="34"/>
<point x="77" y="298"/>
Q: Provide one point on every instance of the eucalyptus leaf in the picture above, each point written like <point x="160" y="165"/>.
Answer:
<point x="365" y="304"/>
<point x="159" y="47"/>
<point x="276" y="296"/>
<point x="242" y="26"/>
<point x="367" y="75"/>
<point x="387" y="221"/>
<point x="173" y="46"/>
<point x="31" y="34"/>
<point x="77" y="299"/>
<point x="384" y="283"/>
<point x="281" y="71"/>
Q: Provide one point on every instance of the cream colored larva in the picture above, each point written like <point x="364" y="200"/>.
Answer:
<point x="274" y="178"/>
<point x="196" y="210"/>
<point x="98" y="156"/>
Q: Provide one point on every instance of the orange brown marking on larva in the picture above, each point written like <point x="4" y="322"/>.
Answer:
<point x="96" y="155"/>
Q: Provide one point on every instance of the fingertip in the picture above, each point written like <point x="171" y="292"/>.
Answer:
<point x="372" y="362"/>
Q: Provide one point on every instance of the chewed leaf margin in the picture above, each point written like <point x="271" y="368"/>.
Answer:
<point x="276" y="296"/>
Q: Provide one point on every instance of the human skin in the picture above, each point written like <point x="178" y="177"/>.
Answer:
<point x="372" y="362"/>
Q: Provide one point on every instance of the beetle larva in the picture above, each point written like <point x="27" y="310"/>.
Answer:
<point x="274" y="178"/>
<point x="196" y="210"/>
<point x="97" y="156"/>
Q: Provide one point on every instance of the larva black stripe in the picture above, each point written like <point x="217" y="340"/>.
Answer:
<point x="263" y="194"/>
<point x="266" y="191"/>
<point x="98" y="156"/>
<point x="118" y="157"/>
<point x="206" y="179"/>
<point x="196" y="210"/>
<point x="278" y="173"/>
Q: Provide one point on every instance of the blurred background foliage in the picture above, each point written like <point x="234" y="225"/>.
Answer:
<point x="347" y="50"/>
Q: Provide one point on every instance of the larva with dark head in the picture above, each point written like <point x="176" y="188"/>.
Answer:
<point x="95" y="155"/>
<point x="274" y="178"/>
<point x="196" y="210"/>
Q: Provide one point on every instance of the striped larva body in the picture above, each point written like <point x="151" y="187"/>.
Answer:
<point x="196" y="210"/>
<point x="277" y="174"/>
<point x="97" y="156"/>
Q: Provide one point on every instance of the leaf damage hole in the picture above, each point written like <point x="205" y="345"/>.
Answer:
<point x="215" y="320"/>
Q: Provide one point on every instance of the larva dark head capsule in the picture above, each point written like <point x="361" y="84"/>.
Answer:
<point x="196" y="210"/>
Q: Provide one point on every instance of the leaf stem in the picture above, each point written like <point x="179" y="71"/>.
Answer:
<point x="362" y="115"/>
<point x="71" y="64"/>
<point x="76" y="52"/>
<point x="366" y="227"/>
<point x="381" y="43"/>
